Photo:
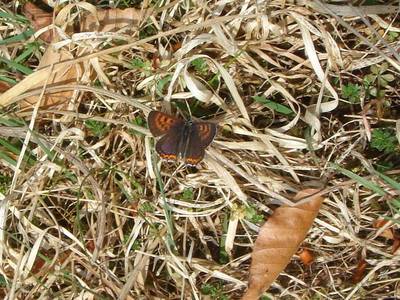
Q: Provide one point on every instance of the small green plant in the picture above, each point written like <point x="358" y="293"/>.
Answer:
<point x="142" y="65"/>
<point x="187" y="194"/>
<point x="378" y="79"/>
<point x="146" y="207"/>
<point x="252" y="215"/>
<point x="5" y="182"/>
<point x="392" y="36"/>
<point x="215" y="291"/>
<point x="351" y="92"/>
<point x="98" y="128"/>
<point x="148" y="30"/>
<point x="384" y="140"/>
<point x="214" y="81"/>
<point x="138" y="121"/>
<point x="223" y="255"/>
<point x="200" y="66"/>
<point x="161" y="84"/>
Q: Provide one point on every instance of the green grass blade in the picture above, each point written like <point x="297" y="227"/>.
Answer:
<point x="18" y="37"/>
<point x="28" y="158"/>
<point x="29" y="49"/>
<point x="17" y="66"/>
<point x="279" y="108"/>
<point x="11" y="122"/>
<point x="167" y="211"/>
<point x="8" y="159"/>
<point x="10" y="147"/>
<point x="8" y="80"/>
<point x="393" y="183"/>
<point x="368" y="184"/>
<point x="13" y="18"/>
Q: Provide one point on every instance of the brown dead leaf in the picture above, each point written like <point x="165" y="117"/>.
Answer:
<point x="38" y="265"/>
<point x="387" y="233"/>
<point x="278" y="240"/>
<point x="176" y="46"/>
<point x="112" y="19"/>
<point x="39" y="19"/>
<point x="67" y="75"/>
<point x="306" y="257"/>
<point x="396" y="245"/>
<point x="4" y="86"/>
<point x="359" y="272"/>
<point x="90" y="246"/>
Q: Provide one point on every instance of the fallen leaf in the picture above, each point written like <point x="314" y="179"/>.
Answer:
<point x="113" y="19"/>
<point x="387" y="233"/>
<point x="395" y="246"/>
<point x="38" y="265"/>
<point x="359" y="272"/>
<point x="90" y="246"/>
<point x="39" y="19"/>
<point x="306" y="257"/>
<point x="4" y="86"/>
<point x="278" y="241"/>
<point x="155" y="61"/>
<point x="176" y="46"/>
<point x="66" y="75"/>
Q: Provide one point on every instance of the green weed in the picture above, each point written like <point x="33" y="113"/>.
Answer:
<point x="384" y="140"/>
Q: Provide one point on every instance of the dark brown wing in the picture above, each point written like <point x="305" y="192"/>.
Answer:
<point x="160" y="123"/>
<point x="201" y="135"/>
<point x="168" y="146"/>
<point x="205" y="132"/>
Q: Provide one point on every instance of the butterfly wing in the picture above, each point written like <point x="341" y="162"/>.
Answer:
<point x="168" y="146"/>
<point x="205" y="132"/>
<point x="160" y="123"/>
<point x="201" y="135"/>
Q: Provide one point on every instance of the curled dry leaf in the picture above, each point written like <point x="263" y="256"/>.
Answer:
<point x="359" y="272"/>
<point x="278" y="240"/>
<point x="67" y="75"/>
<point x="387" y="233"/>
<point x="39" y="19"/>
<point x="396" y="245"/>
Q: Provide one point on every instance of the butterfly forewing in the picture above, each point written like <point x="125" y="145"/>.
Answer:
<point x="160" y="123"/>
<point x="205" y="132"/>
<point x="168" y="146"/>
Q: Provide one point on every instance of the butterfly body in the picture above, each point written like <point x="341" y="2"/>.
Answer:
<point x="181" y="139"/>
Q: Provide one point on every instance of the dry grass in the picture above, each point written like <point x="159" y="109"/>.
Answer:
<point x="94" y="214"/>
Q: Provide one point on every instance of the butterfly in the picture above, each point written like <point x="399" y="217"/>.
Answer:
<point x="181" y="139"/>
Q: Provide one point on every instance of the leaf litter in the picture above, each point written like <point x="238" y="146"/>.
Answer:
<point x="98" y="215"/>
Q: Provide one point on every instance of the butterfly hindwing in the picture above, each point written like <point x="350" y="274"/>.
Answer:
<point x="160" y="123"/>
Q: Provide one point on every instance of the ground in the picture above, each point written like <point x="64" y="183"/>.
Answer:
<point x="303" y="95"/>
